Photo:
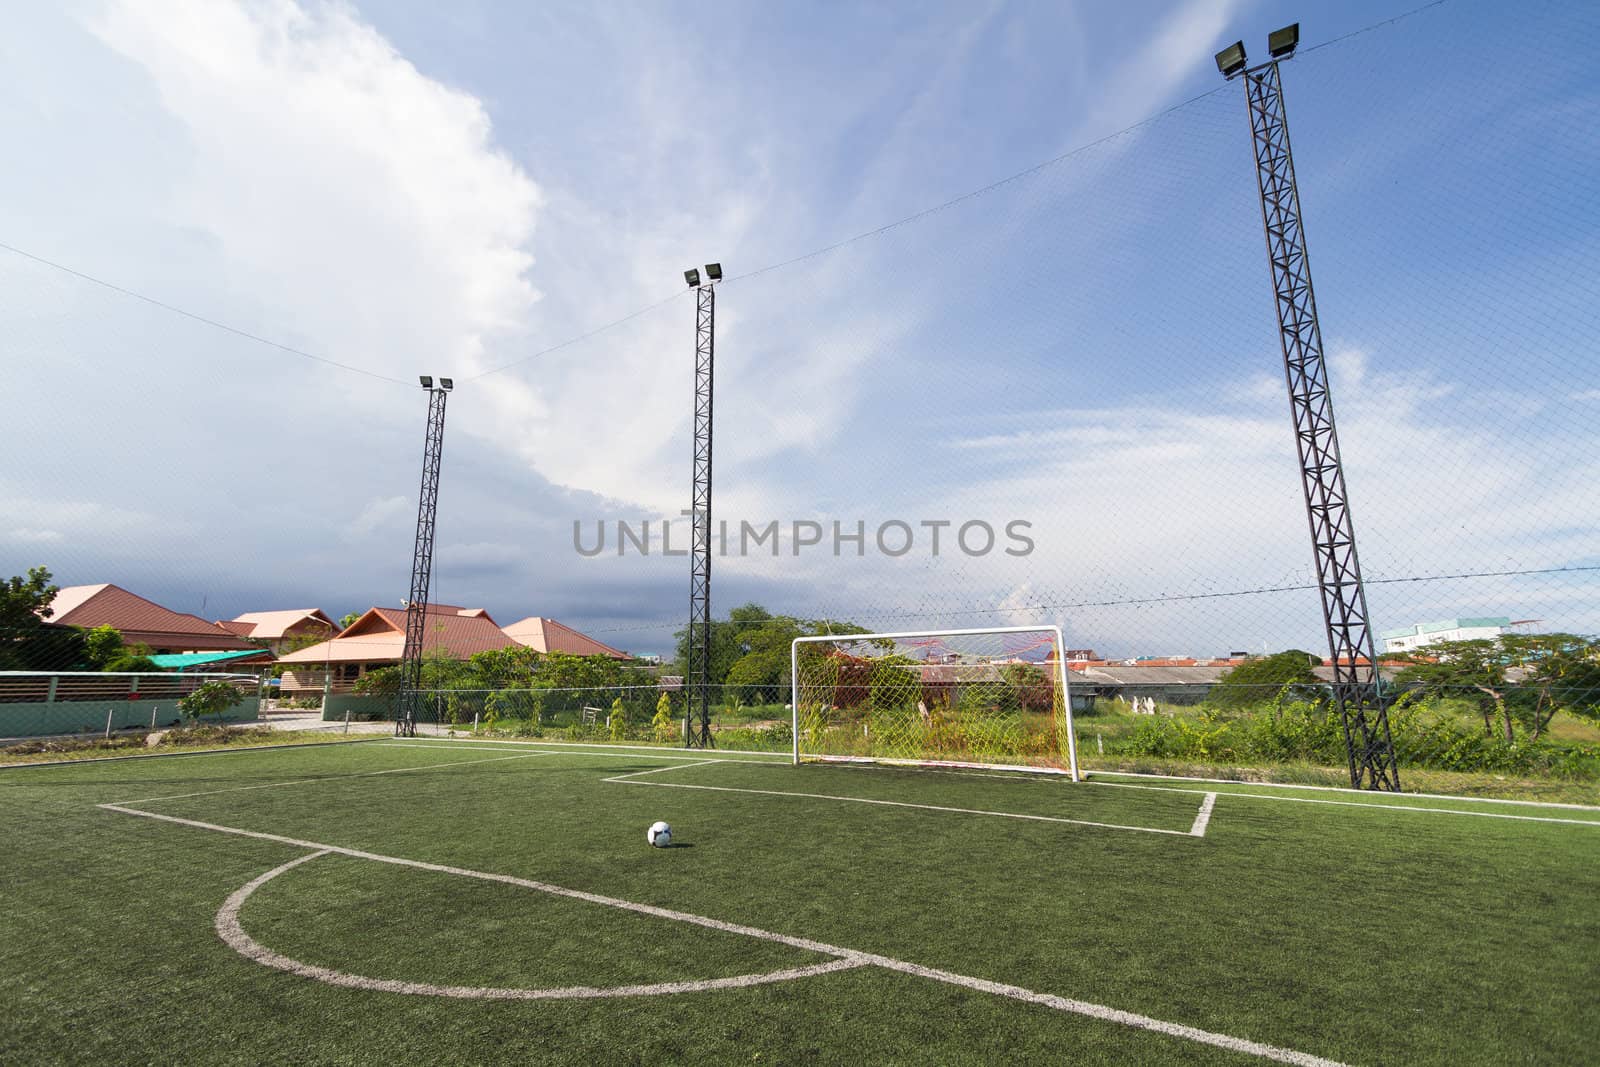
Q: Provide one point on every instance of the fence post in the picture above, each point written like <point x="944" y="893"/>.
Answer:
<point x="347" y="720"/>
<point x="474" y="722"/>
<point x="153" y="715"/>
<point x="51" y="698"/>
<point x="109" y="712"/>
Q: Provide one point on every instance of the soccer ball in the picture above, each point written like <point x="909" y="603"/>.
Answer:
<point x="659" y="835"/>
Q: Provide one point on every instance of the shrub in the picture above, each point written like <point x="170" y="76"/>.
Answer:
<point x="663" y="726"/>
<point x="210" y="698"/>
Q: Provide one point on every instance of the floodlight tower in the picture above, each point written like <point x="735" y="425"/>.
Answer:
<point x="405" y="719"/>
<point x="697" y="720"/>
<point x="1368" y="745"/>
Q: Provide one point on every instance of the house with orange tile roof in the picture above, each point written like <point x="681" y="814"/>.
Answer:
<point x="282" y="631"/>
<point x="378" y="639"/>
<point x="548" y="635"/>
<point x="140" y="621"/>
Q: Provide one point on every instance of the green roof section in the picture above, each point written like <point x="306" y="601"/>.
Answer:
<point x="180" y="661"/>
<point x="1442" y="625"/>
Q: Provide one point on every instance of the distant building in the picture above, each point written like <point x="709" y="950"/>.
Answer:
<point x="1432" y="633"/>
<point x="140" y="621"/>
<point x="548" y="635"/>
<point x="378" y="639"/>
<point x="280" y="630"/>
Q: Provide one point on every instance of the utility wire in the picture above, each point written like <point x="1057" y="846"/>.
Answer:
<point x="1060" y="605"/>
<point x="164" y="306"/>
<point x="863" y="236"/>
<point x="946" y="205"/>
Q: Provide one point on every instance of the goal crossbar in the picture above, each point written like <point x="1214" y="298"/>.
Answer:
<point x="1058" y="685"/>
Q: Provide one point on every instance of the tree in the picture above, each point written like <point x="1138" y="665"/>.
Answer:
<point x="1260" y="679"/>
<point x="1476" y="669"/>
<point x="663" y="725"/>
<point x="210" y="698"/>
<point x="27" y="642"/>
<point x="1563" y="672"/>
<point x="618" y="721"/>
<point x="104" y="650"/>
<point x="750" y="650"/>
<point x="349" y="620"/>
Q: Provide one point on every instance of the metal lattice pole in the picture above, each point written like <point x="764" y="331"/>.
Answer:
<point x="405" y="724"/>
<point x="697" y="722"/>
<point x="1368" y="744"/>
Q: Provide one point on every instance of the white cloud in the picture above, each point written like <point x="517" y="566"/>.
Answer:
<point x="349" y="193"/>
<point x="30" y="536"/>
<point x="375" y="515"/>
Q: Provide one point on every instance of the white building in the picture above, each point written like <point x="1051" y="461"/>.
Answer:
<point x="1432" y="633"/>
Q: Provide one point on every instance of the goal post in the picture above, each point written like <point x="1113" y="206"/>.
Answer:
<point x="994" y="698"/>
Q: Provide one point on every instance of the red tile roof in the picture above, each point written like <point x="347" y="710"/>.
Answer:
<point x="379" y="636"/>
<point x="548" y="635"/>
<point x="268" y="625"/>
<point x="139" y="620"/>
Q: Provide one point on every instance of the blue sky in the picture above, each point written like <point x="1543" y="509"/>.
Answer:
<point x="411" y="187"/>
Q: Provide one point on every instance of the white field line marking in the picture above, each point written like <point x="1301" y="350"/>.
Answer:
<point x="658" y="770"/>
<point x="333" y="778"/>
<point x="233" y="934"/>
<point x="1357" y="804"/>
<point x="171" y="755"/>
<point x="780" y="758"/>
<point x="1338" y="789"/>
<point x="460" y="747"/>
<point x="1201" y="821"/>
<point x="625" y="780"/>
<point x="1078" y="1007"/>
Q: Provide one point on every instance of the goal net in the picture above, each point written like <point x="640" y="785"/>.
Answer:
<point x="993" y="698"/>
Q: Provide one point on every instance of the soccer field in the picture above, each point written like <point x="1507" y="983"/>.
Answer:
<point x="430" y="901"/>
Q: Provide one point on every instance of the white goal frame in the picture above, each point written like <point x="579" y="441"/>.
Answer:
<point x="1061" y="667"/>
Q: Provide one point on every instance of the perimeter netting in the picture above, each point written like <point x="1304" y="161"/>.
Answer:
<point x="990" y="698"/>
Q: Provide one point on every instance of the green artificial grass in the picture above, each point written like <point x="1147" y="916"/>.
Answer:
<point x="1346" y="930"/>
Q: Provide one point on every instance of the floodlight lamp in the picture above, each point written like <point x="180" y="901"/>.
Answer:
<point x="447" y="384"/>
<point x="1281" y="42"/>
<point x="1230" y="60"/>
<point x="426" y="380"/>
<point x="692" y="276"/>
<point x="714" y="271"/>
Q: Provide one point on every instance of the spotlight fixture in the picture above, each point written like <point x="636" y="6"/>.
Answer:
<point x="692" y="276"/>
<point x="426" y="380"/>
<point x="447" y="384"/>
<point x="1230" y="60"/>
<point x="1281" y="42"/>
<point x="714" y="271"/>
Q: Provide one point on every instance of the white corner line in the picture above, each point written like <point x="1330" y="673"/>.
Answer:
<point x="1048" y="1000"/>
<point x="1203" y="817"/>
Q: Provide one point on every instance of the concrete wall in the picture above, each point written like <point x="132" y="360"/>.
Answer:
<point x="361" y="708"/>
<point x="70" y="717"/>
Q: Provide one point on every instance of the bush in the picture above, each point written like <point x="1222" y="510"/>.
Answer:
<point x="210" y="698"/>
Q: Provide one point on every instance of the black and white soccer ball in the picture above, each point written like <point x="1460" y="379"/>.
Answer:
<point x="659" y="834"/>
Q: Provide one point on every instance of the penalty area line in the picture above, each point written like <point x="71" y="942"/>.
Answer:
<point x="843" y="957"/>
<point x="1197" y="830"/>
<point x="1415" y="809"/>
<point x="333" y="778"/>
